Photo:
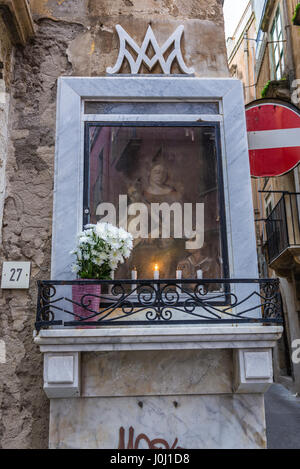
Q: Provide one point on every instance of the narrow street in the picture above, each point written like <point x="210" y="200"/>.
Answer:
<point x="283" y="418"/>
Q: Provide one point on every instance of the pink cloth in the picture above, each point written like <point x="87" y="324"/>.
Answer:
<point x="84" y="294"/>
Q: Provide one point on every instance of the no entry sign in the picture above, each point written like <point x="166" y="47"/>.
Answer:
<point x="274" y="137"/>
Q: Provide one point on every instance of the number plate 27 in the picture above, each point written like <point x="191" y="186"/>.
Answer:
<point x="15" y="275"/>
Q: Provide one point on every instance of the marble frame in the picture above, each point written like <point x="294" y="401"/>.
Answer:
<point x="69" y="159"/>
<point x="213" y="126"/>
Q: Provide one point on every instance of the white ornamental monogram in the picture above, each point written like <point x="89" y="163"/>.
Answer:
<point x="142" y="56"/>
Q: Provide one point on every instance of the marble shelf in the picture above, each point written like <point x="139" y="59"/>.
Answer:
<point x="157" y="338"/>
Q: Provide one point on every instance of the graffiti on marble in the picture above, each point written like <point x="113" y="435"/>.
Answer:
<point x="157" y="443"/>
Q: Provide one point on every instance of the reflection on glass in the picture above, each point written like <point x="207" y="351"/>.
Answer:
<point x="161" y="184"/>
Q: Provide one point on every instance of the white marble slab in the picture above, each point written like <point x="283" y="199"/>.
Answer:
<point x="155" y="373"/>
<point x="158" y="338"/>
<point x="190" y="422"/>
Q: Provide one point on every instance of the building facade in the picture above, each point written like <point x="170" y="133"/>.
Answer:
<point x="82" y="126"/>
<point x="264" y="54"/>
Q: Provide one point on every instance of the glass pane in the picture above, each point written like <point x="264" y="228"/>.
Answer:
<point x="161" y="184"/>
<point x="98" y="107"/>
<point x="276" y="54"/>
<point x="282" y="61"/>
<point x="274" y="33"/>
<point x="278" y="73"/>
<point x="279" y="25"/>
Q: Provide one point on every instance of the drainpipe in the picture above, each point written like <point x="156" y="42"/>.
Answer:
<point x="254" y="71"/>
<point x="246" y="61"/>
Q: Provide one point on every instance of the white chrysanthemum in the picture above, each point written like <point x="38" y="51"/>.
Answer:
<point x="123" y="234"/>
<point x="126" y="252"/>
<point x="79" y="255"/>
<point x="113" y="231"/>
<point x="129" y="243"/>
<point x="116" y="255"/>
<point x="84" y="240"/>
<point x="89" y="232"/>
<point x="115" y="244"/>
<point x="75" y="268"/>
<point x="101" y="244"/>
<point x="103" y="256"/>
<point x="113" y="264"/>
<point x="99" y="261"/>
<point x="101" y="231"/>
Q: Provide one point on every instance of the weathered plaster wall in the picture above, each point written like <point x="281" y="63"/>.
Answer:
<point x="27" y="226"/>
<point x="96" y="47"/>
<point x="73" y="37"/>
<point x="5" y="77"/>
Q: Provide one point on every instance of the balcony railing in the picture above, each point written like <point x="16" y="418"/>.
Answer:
<point x="282" y="225"/>
<point x="158" y="302"/>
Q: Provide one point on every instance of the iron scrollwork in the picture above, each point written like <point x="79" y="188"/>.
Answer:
<point x="125" y="302"/>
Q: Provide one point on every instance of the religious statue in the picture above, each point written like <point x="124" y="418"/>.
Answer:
<point x="158" y="190"/>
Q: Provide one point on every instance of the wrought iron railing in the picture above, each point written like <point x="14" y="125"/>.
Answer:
<point x="282" y="225"/>
<point x="138" y="302"/>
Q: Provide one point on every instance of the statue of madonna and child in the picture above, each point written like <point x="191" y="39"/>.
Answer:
<point x="156" y="189"/>
<point x="170" y="254"/>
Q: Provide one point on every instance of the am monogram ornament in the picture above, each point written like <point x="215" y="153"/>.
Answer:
<point x="143" y="58"/>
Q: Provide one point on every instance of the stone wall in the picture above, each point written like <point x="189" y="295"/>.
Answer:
<point x="5" y="77"/>
<point x="75" y="37"/>
<point x="95" y="47"/>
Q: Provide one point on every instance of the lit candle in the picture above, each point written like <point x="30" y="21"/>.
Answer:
<point x="134" y="274"/>
<point x="178" y="277"/>
<point x="156" y="272"/>
<point x="178" y="274"/>
<point x="200" y="274"/>
<point x="133" y="277"/>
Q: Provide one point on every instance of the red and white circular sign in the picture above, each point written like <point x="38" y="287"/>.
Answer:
<point x="274" y="137"/>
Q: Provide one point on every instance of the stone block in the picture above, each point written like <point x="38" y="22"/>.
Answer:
<point x="253" y="370"/>
<point x="62" y="375"/>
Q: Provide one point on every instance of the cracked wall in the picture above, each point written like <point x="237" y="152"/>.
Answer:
<point x="73" y="37"/>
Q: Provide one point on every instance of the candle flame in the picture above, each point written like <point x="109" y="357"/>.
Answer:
<point x="156" y="268"/>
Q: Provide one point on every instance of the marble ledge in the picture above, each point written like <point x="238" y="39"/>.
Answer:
<point x="158" y="338"/>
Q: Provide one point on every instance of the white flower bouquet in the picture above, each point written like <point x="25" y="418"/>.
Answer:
<point x="100" y="248"/>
